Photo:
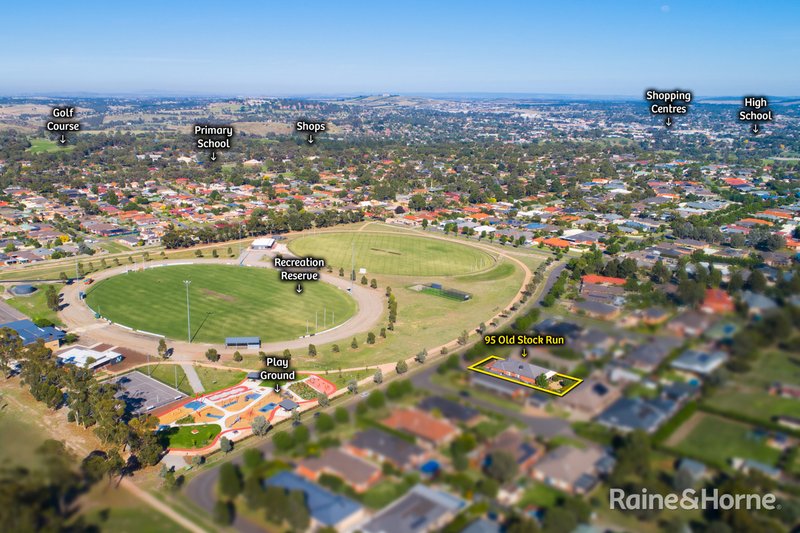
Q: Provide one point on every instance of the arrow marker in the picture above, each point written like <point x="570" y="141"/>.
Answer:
<point x="213" y="156"/>
<point x="63" y="139"/>
<point x="668" y="122"/>
<point x="524" y="352"/>
<point x="756" y="128"/>
<point x="299" y="288"/>
<point x="277" y="388"/>
<point x="310" y="138"/>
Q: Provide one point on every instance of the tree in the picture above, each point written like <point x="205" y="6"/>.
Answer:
<point x="301" y="435"/>
<point x="341" y="415"/>
<point x="323" y="399"/>
<point x="260" y="426"/>
<point x="287" y="354"/>
<point x="10" y="347"/>
<point x="690" y="292"/>
<point x="501" y="467"/>
<point x="401" y="367"/>
<point x="736" y="282"/>
<point x="283" y="441"/>
<point x="312" y="350"/>
<point x="383" y="333"/>
<point x="225" y="444"/>
<point x="223" y="512"/>
<point x="370" y="338"/>
<point x="364" y="280"/>
<point x="421" y="356"/>
<point x="354" y="344"/>
<point x="230" y="480"/>
<point x="376" y="400"/>
<point x="557" y="520"/>
<point x="352" y="386"/>
<point x="341" y="272"/>
<point x="162" y="348"/>
<point x="297" y="512"/>
<point x="51" y="295"/>
<point x="541" y="381"/>
<point x="660" y="272"/>
<point x="324" y="423"/>
<point x="378" y="377"/>
<point x="424" y="223"/>
<point x="212" y="355"/>
<point x="373" y="283"/>
<point x="757" y="282"/>
<point x="238" y="357"/>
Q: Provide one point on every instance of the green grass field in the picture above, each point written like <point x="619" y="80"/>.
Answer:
<point x="747" y="393"/>
<point x="718" y="440"/>
<point x="40" y="146"/>
<point x="225" y="301"/>
<point x="35" y="305"/>
<point x="405" y="255"/>
<point x="183" y="437"/>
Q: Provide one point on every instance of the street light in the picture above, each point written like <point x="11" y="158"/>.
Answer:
<point x="188" y="311"/>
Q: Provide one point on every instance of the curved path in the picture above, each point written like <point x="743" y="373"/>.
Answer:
<point x="80" y="319"/>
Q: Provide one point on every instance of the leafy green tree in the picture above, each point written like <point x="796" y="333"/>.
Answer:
<point x="341" y="415"/>
<point x="223" y="512"/>
<point x="376" y="400"/>
<point x="260" y="426"/>
<point x="324" y="423"/>
<point x="230" y="480"/>
<point x="501" y="466"/>
<point x="401" y="367"/>
<point x="297" y="512"/>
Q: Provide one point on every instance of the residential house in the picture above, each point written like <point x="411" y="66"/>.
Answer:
<point x="355" y="471"/>
<point x="573" y="470"/>
<point x="420" y="510"/>
<point x="326" y="508"/>
<point x="383" y="447"/>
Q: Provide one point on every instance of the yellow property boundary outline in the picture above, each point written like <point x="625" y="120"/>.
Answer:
<point x="475" y="368"/>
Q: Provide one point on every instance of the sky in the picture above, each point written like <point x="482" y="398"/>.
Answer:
<point x="309" y="47"/>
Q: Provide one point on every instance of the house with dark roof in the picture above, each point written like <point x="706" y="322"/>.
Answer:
<point x="326" y="508"/>
<point x="421" y="510"/>
<point x="515" y="443"/>
<point x="631" y="414"/>
<point x="450" y="410"/>
<point x="649" y="355"/>
<point x="383" y="447"/>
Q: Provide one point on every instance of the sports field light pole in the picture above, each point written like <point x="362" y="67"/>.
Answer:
<point x="188" y="311"/>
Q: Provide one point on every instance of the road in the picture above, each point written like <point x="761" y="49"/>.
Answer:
<point x="194" y="379"/>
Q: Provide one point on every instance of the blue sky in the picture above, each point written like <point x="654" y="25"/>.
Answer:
<point x="265" y="47"/>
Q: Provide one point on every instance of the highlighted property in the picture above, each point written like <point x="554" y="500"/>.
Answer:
<point x="526" y="374"/>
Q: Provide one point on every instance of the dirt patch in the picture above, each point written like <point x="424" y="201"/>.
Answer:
<point x="219" y="295"/>
<point x="52" y="423"/>
<point x="391" y="252"/>
<point x="686" y="428"/>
